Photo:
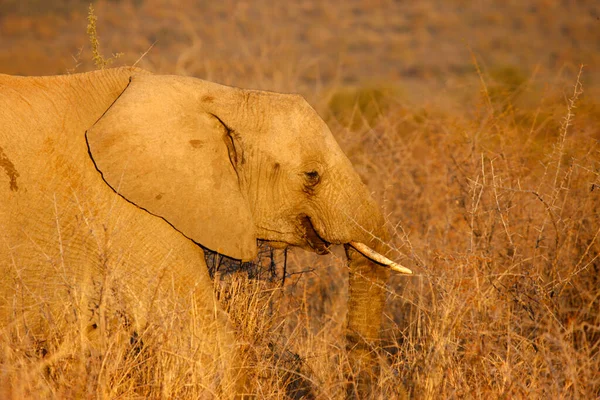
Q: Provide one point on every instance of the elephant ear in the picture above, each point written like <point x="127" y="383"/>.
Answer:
<point x="158" y="148"/>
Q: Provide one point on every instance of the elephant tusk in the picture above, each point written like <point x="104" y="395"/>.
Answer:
<point x="378" y="258"/>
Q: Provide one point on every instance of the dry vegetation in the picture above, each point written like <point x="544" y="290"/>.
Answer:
<point x="476" y="129"/>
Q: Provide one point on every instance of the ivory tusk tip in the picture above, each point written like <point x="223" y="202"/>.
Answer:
<point x="399" y="268"/>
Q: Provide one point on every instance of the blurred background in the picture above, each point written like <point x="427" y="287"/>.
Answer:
<point x="303" y="44"/>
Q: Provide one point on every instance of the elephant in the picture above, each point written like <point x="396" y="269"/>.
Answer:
<point x="113" y="182"/>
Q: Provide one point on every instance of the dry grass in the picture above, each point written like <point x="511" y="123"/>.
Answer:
<point x="502" y="211"/>
<point x="484" y="156"/>
<point x="498" y="206"/>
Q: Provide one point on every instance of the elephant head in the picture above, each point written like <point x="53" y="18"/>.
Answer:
<point x="226" y="166"/>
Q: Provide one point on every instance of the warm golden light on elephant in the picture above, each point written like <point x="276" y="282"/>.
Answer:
<point x="122" y="173"/>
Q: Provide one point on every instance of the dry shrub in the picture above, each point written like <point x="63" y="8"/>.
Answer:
<point x="501" y="218"/>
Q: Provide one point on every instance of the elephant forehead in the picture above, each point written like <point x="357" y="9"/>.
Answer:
<point x="293" y="150"/>
<point x="299" y="135"/>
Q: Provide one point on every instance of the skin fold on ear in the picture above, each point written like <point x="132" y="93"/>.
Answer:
<point x="158" y="148"/>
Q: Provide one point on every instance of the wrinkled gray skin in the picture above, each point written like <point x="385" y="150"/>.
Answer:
<point x="106" y="176"/>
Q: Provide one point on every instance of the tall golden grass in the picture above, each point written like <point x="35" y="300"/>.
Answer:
<point x="488" y="173"/>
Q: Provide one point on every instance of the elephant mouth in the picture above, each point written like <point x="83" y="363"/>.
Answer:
<point x="320" y="246"/>
<point x="311" y="237"/>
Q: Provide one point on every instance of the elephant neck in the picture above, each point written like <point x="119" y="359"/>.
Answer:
<point x="96" y="91"/>
<point x="57" y="111"/>
<point x="71" y="102"/>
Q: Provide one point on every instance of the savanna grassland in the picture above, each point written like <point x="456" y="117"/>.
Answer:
<point x="475" y="124"/>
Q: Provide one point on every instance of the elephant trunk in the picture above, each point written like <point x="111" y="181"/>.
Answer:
<point x="367" y="294"/>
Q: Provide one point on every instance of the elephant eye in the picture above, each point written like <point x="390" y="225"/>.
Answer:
<point x="312" y="177"/>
